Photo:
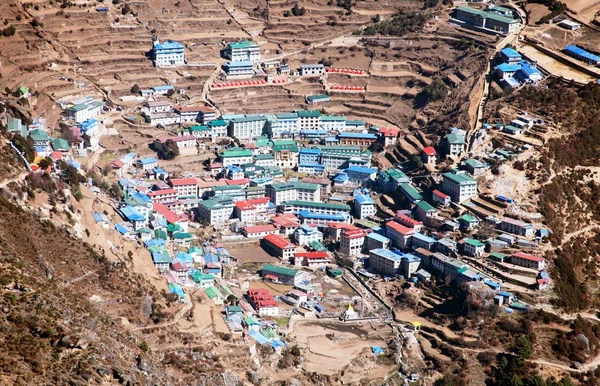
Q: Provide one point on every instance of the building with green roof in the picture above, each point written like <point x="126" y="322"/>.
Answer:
<point x="216" y="211"/>
<point x="460" y="187"/>
<point x="202" y="280"/>
<point x="285" y="275"/>
<point x="411" y="193"/>
<point x="455" y="144"/>
<point x="237" y="156"/>
<point x="489" y="20"/>
<point x="244" y="51"/>
<point x="60" y="144"/>
<point x="40" y="138"/>
<point x="295" y="206"/>
<point x="16" y="126"/>
<point x="293" y="190"/>
<point x="472" y="247"/>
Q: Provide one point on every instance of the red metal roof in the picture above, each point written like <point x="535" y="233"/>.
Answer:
<point x="250" y="204"/>
<point x="313" y="255"/>
<point x="183" y="181"/>
<point x="285" y="220"/>
<point x="162" y="192"/>
<point x="353" y="234"/>
<point x="399" y="228"/>
<point x="439" y="194"/>
<point x="278" y="241"/>
<point x="178" y="266"/>
<point x="241" y="181"/>
<point x="407" y="221"/>
<point x="169" y="215"/>
<point x="260" y="228"/>
<point x="338" y="225"/>
<point x="429" y="151"/>
<point x="389" y="131"/>
<point x="527" y="256"/>
<point x="258" y="291"/>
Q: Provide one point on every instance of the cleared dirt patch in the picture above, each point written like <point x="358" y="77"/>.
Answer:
<point x="253" y="255"/>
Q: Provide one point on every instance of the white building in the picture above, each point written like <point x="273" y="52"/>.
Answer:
<point x="217" y="211"/>
<point x="186" y="187"/>
<point x="384" y="261"/>
<point x="83" y="111"/>
<point x="333" y="123"/>
<point x="157" y="107"/>
<point x="528" y="261"/>
<point x="364" y="206"/>
<point x="312" y="69"/>
<point x="284" y="123"/>
<point x="308" y="119"/>
<point x="250" y="211"/>
<point x="291" y="191"/>
<point x="237" y="156"/>
<point x="459" y="187"/>
<point x="168" y="54"/>
<point x="247" y="127"/>
<point x="351" y="242"/>
<point x="243" y="51"/>
<point x="306" y="234"/>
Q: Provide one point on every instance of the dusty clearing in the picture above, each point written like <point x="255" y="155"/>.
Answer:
<point x="253" y="254"/>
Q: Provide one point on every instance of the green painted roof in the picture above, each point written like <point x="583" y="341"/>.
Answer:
<point x="455" y="139"/>
<point x="216" y="203"/>
<point x="242" y="44"/>
<point x="199" y="128"/>
<point x="217" y="122"/>
<point x="236" y="152"/>
<point x="459" y="178"/>
<point x="468" y="218"/>
<point x="285" y="144"/>
<point x="39" y="135"/>
<point x="498" y="255"/>
<point x="474" y="163"/>
<point x="473" y="242"/>
<point x="317" y="246"/>
<point x="393" y="174"/>
<point x="198" y="276"/>
<point x="249" y="119"/>
<point x="281" y="186"/>
<point x="213" y="292"/>
<point x="488" y="15"/>
<point x="280" y="270"/>
<point x="263" y="157"/>
<point x="411" y="191"/>
<point x="425" y="206"/>
<point x="327" y="118"/>
<point x="60" y="144"/>
<point x="321" y="205"/>
<point x="308" y="114"/>
<point x="160" y="234"/>
<point x="182" y="235"/>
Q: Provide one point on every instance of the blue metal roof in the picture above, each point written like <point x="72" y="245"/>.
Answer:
<point x="318" y="216"/>
<point x="387" y="254"/>
<point x="142" y="197"/>
<point x="163" y="88"/>
<point x="581" y="52"/>
<point x="361" y="169"/>
<point x="511" y="53"/>
<point x="121" y="229"/>
<point x="364" y="199"/>
<point x="427" y="239"/>
<point x="131" y="214"/>
<point x="505" y="67"/>
<point x="168" y="45"/>
<point x="529" y="69"/>
<point x="310" y="151"/>
<point x="412" y="258"/>
<point x="378" y="237"/>
<point x="245" y="63"/>
<point x="358" y="135"/>
<point x="148" y="161"/>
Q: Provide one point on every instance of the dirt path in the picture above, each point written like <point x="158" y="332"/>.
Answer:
<point x="175" y="320"/>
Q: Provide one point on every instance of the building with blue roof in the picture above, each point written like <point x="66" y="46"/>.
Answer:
<point x="359" y="175"/>
<point x="364" y="206"/>
<point x="384" y="261"/>
<point x="581" y="54"/>
<point x="309" y="156"/>
<point x="321" y="219"/>
<point x="506" y="70"/>
<point x="133" y="216"/>
<point x="239" y="69"/>
<point x="510" y="56"/>
<point x="311" y="168"/>
<point x="161" y="259"/>
<point x="167" y="54"/>
<point x="420" y="240"/>
<point x="148" y="163"/>
<point x="122" y="229"/>
<point x="528" y="72"/>
<point x="410" y="264"/>
<point x="376" y="241"/>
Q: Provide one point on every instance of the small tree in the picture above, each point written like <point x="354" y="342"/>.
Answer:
<point x="436" y="90"/>
<point x="523" y="347"/>
<point x="169" y="150"/>
<point x="135" y="89"/>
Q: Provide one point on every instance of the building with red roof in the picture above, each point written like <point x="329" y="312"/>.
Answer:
<point x="408" y="221"/>
<point x="245" y="182"/>
<point x="440" y="198"/>
<point x="278" y="246"/>
<point x="389" y="135"/>
<point x="286" y="223"/>
<point x="249" y="211"/>
<point x="263" y="302"/>
<point x="186" y="187"/>
<point x="169" y="215"/>
<point x="352" y="241"/>
<point x="334" y="230"/>
<point x="255" y="231"/>
<point x="429" y="155"/>
<point x="312" y="259"/>
<point x="528" y="261"/>
<point x="163" y="195"/>
<point x="400" y="235"/>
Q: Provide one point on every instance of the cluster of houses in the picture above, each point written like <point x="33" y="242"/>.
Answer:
<point x="493" y="18"/>
<point x="514" y="71"/>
